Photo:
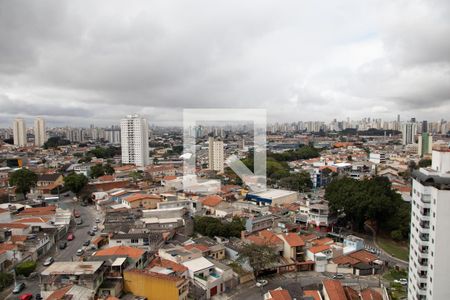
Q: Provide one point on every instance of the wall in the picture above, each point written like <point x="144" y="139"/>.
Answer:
<point x="152" y="287"/>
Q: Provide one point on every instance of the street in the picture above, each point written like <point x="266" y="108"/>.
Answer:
<point x="88" y="214"/>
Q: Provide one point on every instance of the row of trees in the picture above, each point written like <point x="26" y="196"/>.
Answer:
<point x="304" y="152"/>
<point x="370" y="200"/>
<point x="212" y="227"/>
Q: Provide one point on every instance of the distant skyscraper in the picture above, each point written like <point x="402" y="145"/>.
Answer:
<point x="409" y="131"/>
<point x="40" y="136"/>
<point x="398" y="118"/>
<point x="425" y="144"/>
<point x="20" y="132"/>
<point x="424" y="126"/>
<point x="215" y="155"/>
<point x="430" y="226"/>
<point x="134" y="140"/>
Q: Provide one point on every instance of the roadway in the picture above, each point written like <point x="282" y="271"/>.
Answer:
<point x="88" y="214"/>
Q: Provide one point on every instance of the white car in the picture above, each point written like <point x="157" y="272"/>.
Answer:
<point x="402" y="281"/>
<point x="261" y="283"/>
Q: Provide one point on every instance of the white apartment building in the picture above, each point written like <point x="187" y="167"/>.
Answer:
<point x="134" y="140"/>
<point x="40" y="136"/>
<point x="20" y="132"/>
<point x="429" y="261"/>
<point x="409" y="132"/>
<point x="215" y="157"/>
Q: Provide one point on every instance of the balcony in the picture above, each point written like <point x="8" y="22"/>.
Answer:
<point x="425" y="212"/>
<point x="425" y="224"/>
<point x="424" y="237"/>
<point x="426" y="198"/>
<point x="424" y="250"/>
<point x="422" y="274"/>
<point x="423" y="262"/>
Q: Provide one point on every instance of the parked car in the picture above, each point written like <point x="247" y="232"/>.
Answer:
<point x="402" y="281"/>
<point x="19" y="287"/>
<point x="80" y="252"/>
<point x="97" y="220"/>
<point x="70" y="236"/>
<point x="27" y="296"/>
<point x="86" y="243"/>
<point x="95" y="228"/>
<point x="48" y="261"/>
<point x="62" y="245"/>
<point x="91" y="233"/>
<point x="261" y="283"/>
<point x="140" y="298"/>
<point x="338" y="276"/>
<point x="38" y="297"/>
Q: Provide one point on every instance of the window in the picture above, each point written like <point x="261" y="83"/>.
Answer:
<point x="134" y="241"/>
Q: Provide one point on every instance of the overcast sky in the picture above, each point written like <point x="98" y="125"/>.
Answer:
<point x="92" y="62"/>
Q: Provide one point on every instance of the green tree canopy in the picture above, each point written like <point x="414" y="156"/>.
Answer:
<point x="369" y="199"/>
<point x="97" y="171"/>
<point x="424" y="162"/>
<point x="23" y="180"/>
<point x="109" y="170"/>
<point x="300" y="182"/>
<point x="212" y="227"/>
<point x="55" y="141"/>
<point x="75" y="182"/>
<point x="258" y="256"/>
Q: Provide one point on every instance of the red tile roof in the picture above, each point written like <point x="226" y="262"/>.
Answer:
<point x="200" y="247"/>
<point x="14" y="225"/>
<point x="363" y="256"/>
<point x="60" y="293"/>
<point x="138" y="196"/>
<point x="317" y="249"/>
<point x="211" y="201"/>
<point x="313" y="293"/>
<point x="369" y="294"/>
<point x="351" y="293"/>
<point x="18" y="238"/>
<point x="38" y="211"/>
<point x="132" y="252"/>
<point x="294" y="240"/>
<point x="165" y="263"/>
<point x="323" y="241"/>
<point x="334" y="289"/>
<point x="280" y="295"/>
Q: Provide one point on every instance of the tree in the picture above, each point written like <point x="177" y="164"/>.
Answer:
<point x="6" y="279"/>
<point x="424" y="162"/>
<point x="368" y="199"/>
<point x="109" y="170"/>
<point x="75" y="182"/>
<point x="55" y="141"/>
<point x="300" y="182"/>
<point x="136" y="176"/>
<point x="97" y="171"/>
<point x="212" y="227"/>
<point x="26" y="268"/>
<point x="23" y="180"/>
<point x="259" y="257"/>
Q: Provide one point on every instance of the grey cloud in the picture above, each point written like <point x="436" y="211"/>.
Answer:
<point x="109" y="58"/>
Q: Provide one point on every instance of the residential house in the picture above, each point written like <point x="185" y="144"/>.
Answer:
<point x="58" y="275"/>
<point x="293" y="246"/>
<point x="155" y="286"/>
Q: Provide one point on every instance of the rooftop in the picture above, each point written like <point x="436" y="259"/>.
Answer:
<point x="72" y="268"/>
